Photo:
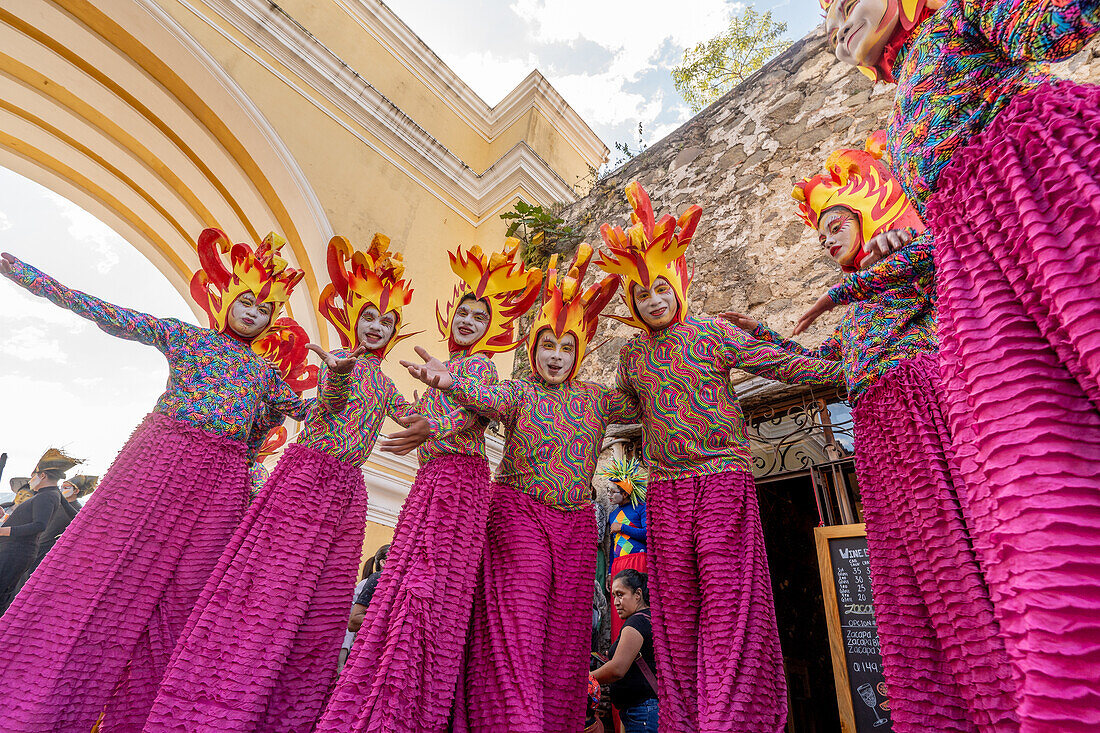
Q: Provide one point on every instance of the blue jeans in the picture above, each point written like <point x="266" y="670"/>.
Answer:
<point x="642" y="718"/>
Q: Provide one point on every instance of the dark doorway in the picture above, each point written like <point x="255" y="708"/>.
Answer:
<point x="789" y="514"/>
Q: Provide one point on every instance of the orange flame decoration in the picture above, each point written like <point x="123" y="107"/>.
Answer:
<point x="374" y="278"/>
<point x="261" y="272"/>
<point x="275" y="440"/>
<point x="566" y="309"/>
<point x="502" y="280"/>
<point x="284" y="346"/>
<point x="648" y="250"/>
<point x="861" y="182"/>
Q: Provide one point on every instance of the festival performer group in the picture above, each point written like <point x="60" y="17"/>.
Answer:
<point x="968" y="233"/>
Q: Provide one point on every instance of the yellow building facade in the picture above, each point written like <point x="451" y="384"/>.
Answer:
<point x="310" y="118"/>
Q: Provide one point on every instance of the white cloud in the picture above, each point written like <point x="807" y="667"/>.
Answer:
<point x="490" y="75"/>
<point x="5" y="222"/>
<point x="90" y="232"/>
<point x="30" y="343"/>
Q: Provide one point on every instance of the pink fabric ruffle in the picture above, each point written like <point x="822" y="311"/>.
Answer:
<point x="259" y="651"/>
<point x="1017" y="221"/>
<point x="405" y="664"/>
<point x="943" y="655"/>
<point x="92" y="630"/>
<point x="527" y="654"/>
<point x="719" y="665"/>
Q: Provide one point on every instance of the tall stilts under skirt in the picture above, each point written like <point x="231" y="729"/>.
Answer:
<point x="719" y="665"/>
<point x="1017" y="221"/>
<point x="93" y="629"/>
<point x="944" y="659"/>
<point x="527" y="655"/>
<point x="259" y="652"/>
<point x="405" y="664"/>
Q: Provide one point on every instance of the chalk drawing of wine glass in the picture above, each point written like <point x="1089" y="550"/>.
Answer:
<point x="867" y="694"/>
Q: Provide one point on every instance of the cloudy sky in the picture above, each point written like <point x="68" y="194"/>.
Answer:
<point x="65" y="383"/>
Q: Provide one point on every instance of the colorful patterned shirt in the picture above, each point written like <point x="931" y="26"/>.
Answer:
<point x="216" y="383"/>
<point x="630" y="539"/>
<point x="347" y="431"/>
<point x="891" y="316"/>
<point x="469" y="435"/>
<point x="963" y="65"/>
<point x="692" y="422"/>
<point x="553" y="434"/>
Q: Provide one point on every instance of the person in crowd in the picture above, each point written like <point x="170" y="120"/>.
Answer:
<point x="301" y="539"/>
<point x="71" y="491"/>
<point x="627" y="522"/>
<point x="630" y="671"/>
<point x="420" y="613"/>
<point x="23" y="528"/>
<point x="135" y="588"/>
<point x="525" y="669"/>
<point x="372" y="571"/>
<point x="943" y="656"/>
<point x="1001" y="158"/>
<point x="705" y="545"/>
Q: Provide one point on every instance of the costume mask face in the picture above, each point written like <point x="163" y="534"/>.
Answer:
<point x="554" y="358"/>
<point x="470" y="322"/>
<point x="858" y="30"/>
<point x="375" y="330"/>
<point x="657" y="305"/>
<point x="249" y="318"/>
<point x="838" y="232"/>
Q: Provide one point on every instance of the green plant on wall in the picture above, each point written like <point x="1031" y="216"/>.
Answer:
<point x="541" y="231"/>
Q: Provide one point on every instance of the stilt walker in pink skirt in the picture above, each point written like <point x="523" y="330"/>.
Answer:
<point x="526" y="669"/>
<point x="943" y="656"/>
<point x="1003" y="162"/>
<point x="120" y="582"/>
<point x="408" y="655"/>
<point x="719" y="665"/>
<point x="239" y="669"/>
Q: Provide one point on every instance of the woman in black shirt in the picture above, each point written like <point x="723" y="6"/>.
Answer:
<point x="630" y="671"/>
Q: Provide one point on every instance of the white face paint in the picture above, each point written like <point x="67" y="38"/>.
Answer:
<point x="554" y="359"/>
<point x="656" y="304"/>
<point x="858" y="30"/>
<point x="838" y="232"/>
<point x="470" y="322"/>
<point x="247" y="317"/>
<point x="375" y="330"/>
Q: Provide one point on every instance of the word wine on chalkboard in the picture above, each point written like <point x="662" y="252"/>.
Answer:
<point x="853" y="634"/>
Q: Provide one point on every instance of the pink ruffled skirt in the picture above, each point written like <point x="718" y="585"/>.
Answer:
<point x="1017" y="221"/>
<point x="92" y="631"/>
<point x="943" y="655"/>
<point x="259" y="651"/>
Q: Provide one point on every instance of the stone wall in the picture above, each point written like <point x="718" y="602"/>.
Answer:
<point x="739" y="159"/>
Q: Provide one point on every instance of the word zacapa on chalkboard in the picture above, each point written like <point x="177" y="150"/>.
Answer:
<point x="845" y="568"/>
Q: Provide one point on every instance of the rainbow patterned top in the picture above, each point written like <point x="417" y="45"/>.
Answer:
<point x="216" y="383"/>
<point x="963" y="65"/>
<point x="891" y="317"/>
<point x="553" y="434"/>
<point x="692" y="421"/>
<point x="468" y="437"/>
<point x="359" y="402"/>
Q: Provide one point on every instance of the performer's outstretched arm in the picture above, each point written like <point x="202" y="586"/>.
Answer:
<point x="121" y="322"/>
<point x="768" y="360"/>
<point x="913" y="263"/>
<point x="1035" y="30"/>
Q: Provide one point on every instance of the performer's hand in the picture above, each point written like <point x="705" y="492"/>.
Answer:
<point x="7" y="264"/>
<point x="885" y="244"/>
<point x="339" y="365"/>
<point x="418" y="429"/>
<point x="823" y="305"/>
<point x="740" y="320"/>
<point x="432" y="372"/>
<point x="616" y="527"/>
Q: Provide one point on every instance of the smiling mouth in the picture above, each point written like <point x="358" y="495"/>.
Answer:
<point x="833" y="250"/>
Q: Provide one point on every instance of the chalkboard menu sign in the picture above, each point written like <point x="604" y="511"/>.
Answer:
<point x="853" y="634"/>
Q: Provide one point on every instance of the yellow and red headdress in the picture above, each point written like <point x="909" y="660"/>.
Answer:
<point x="373" y="278"/>
<point x="261" y="272"/>
<point x="284" y="347"/>
<point x="509" y="288"/>
<point x="860" y="181"/>
<point x="567" y="309"/>
<point x="649" y="249"/>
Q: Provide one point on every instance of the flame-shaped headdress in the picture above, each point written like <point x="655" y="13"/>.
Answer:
<point x="503" y="283"/>
<point x="261" y="272"/>
<point x="648" y="250"/>
<point x="858" y="180"/>
<point x="567" y="309"/>
<point x="628" y="475"/>
<point x="284" y="346"/>
<point x="908" y="13"/>
<point x="374" y="278"/>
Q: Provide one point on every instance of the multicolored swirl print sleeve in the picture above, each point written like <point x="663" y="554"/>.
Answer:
<point x="911" y="265"/>
<point x="499" y="401"/>
<point x="830" y="348"/>
<point x="740" y="351"/>
<point x="121" y="322"/>
<point x="1035" y="30"/>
